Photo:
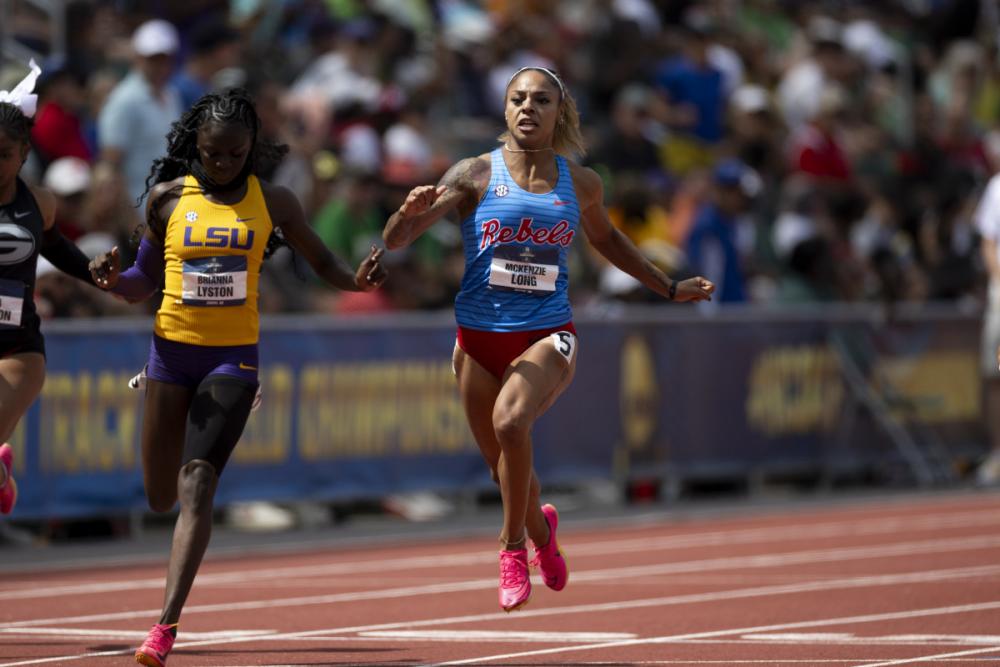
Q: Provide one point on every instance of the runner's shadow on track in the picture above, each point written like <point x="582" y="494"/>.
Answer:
<point x="285" y="651"/>
<point x="110" y="647"/>
<point x="304" y="652"/>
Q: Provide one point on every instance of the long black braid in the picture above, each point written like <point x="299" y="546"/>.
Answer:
<point x="231" y="106"/>
<point x="15" y="123"/>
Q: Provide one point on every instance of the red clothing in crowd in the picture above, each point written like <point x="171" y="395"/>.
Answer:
<point x="818" y="154"/>
<point x="57" y="134"/>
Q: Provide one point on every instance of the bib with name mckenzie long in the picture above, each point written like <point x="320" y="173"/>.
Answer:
<point x="213" y="255"/>
<point x="516" y="244"/>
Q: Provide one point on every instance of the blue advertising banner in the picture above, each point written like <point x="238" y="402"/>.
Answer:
<point x="369" y="407"/>
<point x="348" y="412"/>
<point x="758" y="394"/>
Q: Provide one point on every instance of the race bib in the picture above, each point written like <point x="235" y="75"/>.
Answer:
<point x="525" y="269"/>
<point x="565" y="344"/>
<point x="11" y="303"/>
<point x="215" y="281"/>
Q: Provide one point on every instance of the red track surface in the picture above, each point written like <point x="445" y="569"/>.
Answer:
<point x="881" y="583"/>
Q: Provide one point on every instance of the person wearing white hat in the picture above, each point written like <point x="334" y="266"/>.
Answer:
<point x="133" y="125"/>
<point x="69" y="180"/>
<point x="67" y="176"/>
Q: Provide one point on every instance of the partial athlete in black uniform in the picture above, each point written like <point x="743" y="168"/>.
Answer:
<point x="27" y="229"/>
<point x="21" y="228"/>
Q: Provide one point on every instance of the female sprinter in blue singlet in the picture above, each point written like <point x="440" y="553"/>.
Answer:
<point x="209" y="220"/>
<point x="27" y="229"/>
<point x="515" y="352"/>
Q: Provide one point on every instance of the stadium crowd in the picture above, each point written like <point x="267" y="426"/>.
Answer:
<point x="792" y="152"/>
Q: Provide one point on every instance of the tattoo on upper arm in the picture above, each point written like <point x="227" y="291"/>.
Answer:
<point x="467" y="177"/>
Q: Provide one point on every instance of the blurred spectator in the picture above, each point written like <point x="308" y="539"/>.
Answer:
<point x="69" y="180"/>
<point x="338" y="80"/>
<point x="637" y="213"/>
<point x="58" y="295"/>
<point x="811" y="276"/>
<point x="98" y="89"/>
<point x="628" y="145"/>
<point x="870" y="125"/>
<point x="816" y="147"/>
<point x="947" y="243"/>
<point x="802" y="85"/>
<point x="713" y="247"/>
<point x="407" y="150"/>
<point x="58" y="130"/>
<point x="695" y="90"/>
<point x="755" y="131"/>
<point x="351" y="221"/>
<point x="214" y="46"/>
<point x="133" y="124"/>
<point x="107" y="210"/>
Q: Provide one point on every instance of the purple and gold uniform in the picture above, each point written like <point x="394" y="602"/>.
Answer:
<point x="213" y="254"/>
<point x="208" y="321"/>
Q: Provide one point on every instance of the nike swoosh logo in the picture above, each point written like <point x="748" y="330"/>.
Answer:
<point x="244" y="367"/>
<point x="18" y="216"/>
<point x="560" y="203"/>
<point x="244" y="219"/>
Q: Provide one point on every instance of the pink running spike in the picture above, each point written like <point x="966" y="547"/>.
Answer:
<point x="8" y="492"/>
<point x="156" y="648"/>
<point x="550" y="559"/>
<point x="515" y="586"/>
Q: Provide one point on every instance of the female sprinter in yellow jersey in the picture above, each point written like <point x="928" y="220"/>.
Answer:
<point x="209" y="220"/>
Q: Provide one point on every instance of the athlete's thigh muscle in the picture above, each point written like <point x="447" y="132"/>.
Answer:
<point x="537" y="378"/>
<point x="215" y="422"/>
<point x="21" y="379"/>
<point x="163" y="425"/>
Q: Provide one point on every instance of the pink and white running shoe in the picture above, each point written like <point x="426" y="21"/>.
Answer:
<point x="156" y="648"/>
<point x="550" y="560"/>
<point x="8" y="492"/>
<point x="515" y="586"/>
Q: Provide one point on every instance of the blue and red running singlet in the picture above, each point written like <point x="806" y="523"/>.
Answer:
<point x="516" y="244"/>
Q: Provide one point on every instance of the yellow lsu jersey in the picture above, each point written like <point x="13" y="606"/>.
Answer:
<point x="213" y="254"/>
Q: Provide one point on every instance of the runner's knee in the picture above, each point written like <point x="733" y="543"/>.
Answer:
<point x="197" y="485"/>
<point x="511" y="426"/>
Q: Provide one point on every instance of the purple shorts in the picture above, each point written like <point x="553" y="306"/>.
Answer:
<point x="188" y="365"/>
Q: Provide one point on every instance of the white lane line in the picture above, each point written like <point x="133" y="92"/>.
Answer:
<point x="764" y="591"/>
<point x="499" y="635"/>
<point x="438" y="636"/>
<point x="818" y="661"/>
<point x="880" y="526"/>
<point x="667" y="639"/>
<point x="935" y="658"/>
<point x="903" y="549"/>
<point x="74" y="633"/>
<point x="851" y="638"/>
